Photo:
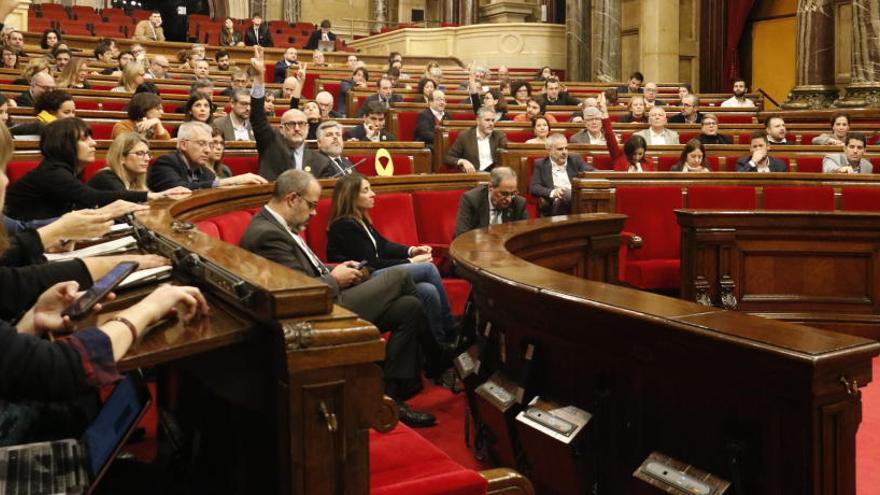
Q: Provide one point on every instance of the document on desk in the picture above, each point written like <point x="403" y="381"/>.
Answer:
<point x="115" y="246"/>
<point x="149" y="275"/>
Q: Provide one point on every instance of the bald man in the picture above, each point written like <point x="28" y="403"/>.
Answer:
<point x="284" y="148"/>
<point x="325" y="102"/>
<point x="40" y="83"/>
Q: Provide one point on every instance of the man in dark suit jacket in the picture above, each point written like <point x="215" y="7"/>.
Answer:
<point x="258" y="33"/>
<point x="384" y="96"/>
<point x="330" y="143"/>
<point x="188" y="167"/>
<point x="760" y="161"/>
<point x="497" y="202"/>
<point x="373" y="126"/>
<point x="689" y="113"/>
<point x="281" y="67"/>
<point x="389" y="300"/>
<point x="40" y="83"/>
<point x="281" y="149"/>
<point x="553" y="94"/>
<point x="320" y="34"/>
<point x="430" y="117"/>
<point x="552" y="186"/>
<point x="465" y="152"/>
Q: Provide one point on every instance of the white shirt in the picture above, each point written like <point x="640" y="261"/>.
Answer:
<point x="560" y="176"/>
<point x="656" y="138"/>
<point x="733" y="102"/>
<point x="241" y="133"/>
<point x="600" y="139"/>
<point x="321" y="267"/>
<point x="496" y="217"/>
<point x="437" y="115"/>
<point x="485" y="151"/>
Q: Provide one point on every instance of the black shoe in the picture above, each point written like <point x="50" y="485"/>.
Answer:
<point x="415" y="419"/>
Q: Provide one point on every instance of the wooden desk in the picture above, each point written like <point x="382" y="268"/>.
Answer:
<point x="658" y="373"/>
<point x="812" y="268"/>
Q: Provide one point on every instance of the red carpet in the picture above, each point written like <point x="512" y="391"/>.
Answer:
<point x="868" y="438"/>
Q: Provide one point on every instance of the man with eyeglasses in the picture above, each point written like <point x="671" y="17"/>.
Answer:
<point x="709" y="131"/>
<point x="689" y="114"/>
<point x="389" y="299"/>
<point x="40" y="83"/>
<point x="188" y="167"/>
<point x="237" y="125"/>
<point x="430" y="117"/>
<point x="492" y="204"/>
<point x="281" y="149"/>
<point x="158" y="68"/>
<point x="325" y="102"/>
<point x="240" y="81"/>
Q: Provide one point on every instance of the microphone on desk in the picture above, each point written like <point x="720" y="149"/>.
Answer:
<point x="346" y="170"/>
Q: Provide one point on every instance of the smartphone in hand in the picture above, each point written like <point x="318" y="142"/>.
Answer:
<point x="99" y="290"/>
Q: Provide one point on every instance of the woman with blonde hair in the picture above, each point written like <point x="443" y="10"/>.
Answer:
<point x="75" y="75"/>
<point x="132" y="77"/>
<point x="127" y="162"/>
<point x="34" y="66"/>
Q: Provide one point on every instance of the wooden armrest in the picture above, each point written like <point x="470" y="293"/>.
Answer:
<point x="506" y="481"/>
<point x="632" y="240"/>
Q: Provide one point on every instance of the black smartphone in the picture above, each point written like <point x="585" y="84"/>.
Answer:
<point x="361" y="265"/>
<point x="99" y="290"/>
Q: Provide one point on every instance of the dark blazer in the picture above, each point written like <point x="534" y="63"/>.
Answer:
<point x="171" y="170"/>
<point x="230" y="39"/>
<point x="776" y="165"/>
<point x="224" y="124"/>
<point x="425" y="125"/>
<point x="465" y="146"/>
<point x="51" y="190"/>
<point x="716" y="139"/>
<point x="359" y="132"/>
<point x="342" y="102"/>
<point x="395" y="98"/>
<point x="347" y="240"/>
<point x="280" y="71"/>
<point x="679" y="119"/>
<point x="25" y="99"/>
<point x="542" y="175"/>
<point x="275" y="155"/>
<point x="564" y="98"/>
<point x="107" y="180"/>
<point x="326" y="167"/>
<point x="628" y="118"/>
<point x="264" y="38"/>
<point x="473" y="210"/>
<point x="315" y="37"/>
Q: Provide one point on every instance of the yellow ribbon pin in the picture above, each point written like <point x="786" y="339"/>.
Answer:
<point x="384" y="164"/>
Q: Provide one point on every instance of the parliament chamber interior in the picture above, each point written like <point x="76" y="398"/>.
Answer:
<point x="440" y="247"/>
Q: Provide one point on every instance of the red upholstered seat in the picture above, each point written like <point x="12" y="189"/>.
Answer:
<point x="394" y="217"/>
<point x="113" y="106"/>
<point x="435" y="213"/>
<point x="308" y="90"/>
<point x="457" y="292"/>
<point x="209" y="227"/>
<point x="462" y="115"/>
<point x="92" y="168"/>
<point x="18" y="168"/>
<point x="799" y="198"/>
<point x="406" y="127"/>
<point x="519" y="136"/>
<point x="242" y="164"/>
<point x="724" y="118"/>
<point x="602" y="161"/>
<point x="722" y="197"/>
<point x="316" y="232"/>
<point x="654" y="265"/>
<point x="861" y="199"/>
<point x="402" y="462"/>
<point x="665" y="163"/>
<point x="684" y="137"/>
<point x="87" y="105"/>
<point x="232" y="225"/>
<point x="403" y="164"/>
<point x="101" y="130"/>
<point x="810" y="164"/>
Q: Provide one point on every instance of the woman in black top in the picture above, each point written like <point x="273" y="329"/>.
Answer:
<point x="351" y="236"/>
<point x="198" y="108"/>
<point x="229" y="36"/>
<point x="127" y="162"/>
<point x="637" y="111"/>
<point x="709" y="131"/>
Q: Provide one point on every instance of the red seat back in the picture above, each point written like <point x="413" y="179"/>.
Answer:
<point x="231" y="226"/>
<point x="316" y="233"/>
<point x="101" y="130"/>
<point x="436" y="212"/>
<point x="209" y="227"/>
<point x="403" y="164"/>
<point x="651" y="216"/>
<point x="407" y="125"/>
<point x="722" y="197"/>
<point x="18" y="168"/>
<point x="810" y="164"/>
<point x="519" y="136"/>
<point x="394" y="217"/>
<point x="799" y="198"/>
<point x="92" y="168"/>
<point x="242" y="164"/>
<point x="861" y="199"/>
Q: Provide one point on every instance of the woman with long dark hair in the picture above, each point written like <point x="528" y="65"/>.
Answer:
<point x="693" y="158"/>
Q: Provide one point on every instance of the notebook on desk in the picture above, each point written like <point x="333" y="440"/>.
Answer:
<point x="76" y="466"/>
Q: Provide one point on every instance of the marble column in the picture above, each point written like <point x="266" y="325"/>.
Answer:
<point x="447" y="11"/>
<point x="379" y="10"/>
<point x="606" y="41"/>
<point x="18" y="18"/>
<point x="864" y="87"/>
<point x="466" y="13"/>
<point x="815" y="57"/>
<point x="577" y="35"/>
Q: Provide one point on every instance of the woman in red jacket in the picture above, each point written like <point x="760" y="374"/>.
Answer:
<point x="633" y="156"/>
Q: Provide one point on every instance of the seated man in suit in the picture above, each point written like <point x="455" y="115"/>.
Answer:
<point x="774" y="127"/>
<point x="430" y="117"/>
<point x="373" y="126"/>
<point x="359" y="78"/>
<point x="329" y="162"/>
<point x="657" y="133"/>
<point x="284" y="148"/>
<point x="592" y="131"/>
<point x="41" y="82"/>
<point x="384" y="95"/>
<point x="258" y="34"/>
<point x="188" y="166"/>
<point x="389" y="300"/>
<point x="852" y="160"/>
<point x="552" y="176"/>
<point x="150" y="29"/>
<point x="689" y="114"/>
<point x="324" y="99"/>
<point x="319" y="35"/>
<point x="760" y="161"/>
<point x="240" y="80"/>
<point x="477" y="149"/>
<point x="287" y="62"/>
<point x="651" y="95"/>
<point x="634" y="85"/>
<point x="554" y="95"/>
<point x="495" y="203"/>
<point x="237" y="126"/>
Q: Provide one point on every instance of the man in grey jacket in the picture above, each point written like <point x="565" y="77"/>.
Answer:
<point x="852" y="160"/>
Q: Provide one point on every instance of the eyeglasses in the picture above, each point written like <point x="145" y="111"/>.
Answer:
<point x="295" y="123"/>
<point x="709" y="122"/>
<point x="313" y="205"/>
<point x="201" y="144"/>
<point x="141" y="154"/>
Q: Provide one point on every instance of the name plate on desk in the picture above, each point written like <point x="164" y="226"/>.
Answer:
<point x="561" y="423"/>
<point x="677" y="477"/>
<point x="499" y="391"/>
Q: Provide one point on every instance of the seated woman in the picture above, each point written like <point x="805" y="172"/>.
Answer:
<point x="839" y="128"/>
<point x="132" y="77"/>
<point x="5" y="118"/>
<point x="541" y="129"/>
<point x="198" y="109"/>
<point x="693" y="158"/>
<point x="127" y="162"/>
<point x="632" y="158"/>
<point x="50" y="38"/>
<point x="52" y="189"/>
<point x="709" y="131"/>
<point x="636" y="111"/>
<point x="144" y="117"/>
<point x="360" y="76"/>
<point x="34" y="65"/>
<point x="521" y="92"/>
<point x="228" y="35"/>
<point x="351" y="236"/>
<point x="8" y="58"/>
<point x="534" y="108"/>
<point x="433" y="71"/>
<point x="545" y="73"/>
<point x="426" y="89"/>
<point x="490" y="99"/>
<point x="50" y="106"/>
<point x="75" y="75"/>
<point x="218" y="147"/>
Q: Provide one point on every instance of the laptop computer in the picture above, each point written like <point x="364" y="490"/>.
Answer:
<point x="76" y="466"/>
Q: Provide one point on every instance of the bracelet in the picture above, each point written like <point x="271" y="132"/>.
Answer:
<point x="129" y="324"/>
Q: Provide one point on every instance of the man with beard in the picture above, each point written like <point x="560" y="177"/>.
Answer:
<point x="330" y="161"/>
<point x="738" y="100"/>
<point x="281" y="149"/>
<point x="236" y="126"/>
